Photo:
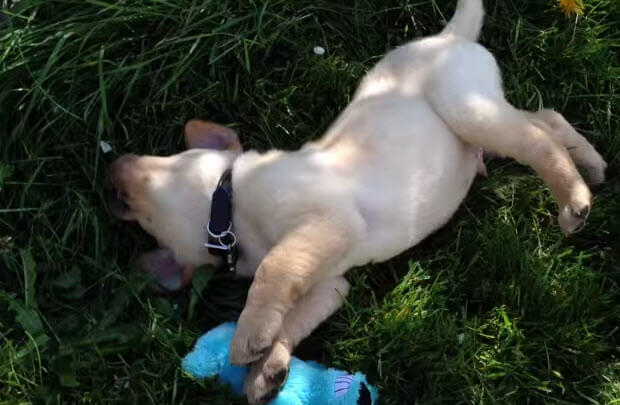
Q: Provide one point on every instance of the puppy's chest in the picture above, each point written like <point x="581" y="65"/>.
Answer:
<point x="252" y="247"/>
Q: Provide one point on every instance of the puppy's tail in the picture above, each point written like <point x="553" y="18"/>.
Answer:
<point x="467" y="20"/>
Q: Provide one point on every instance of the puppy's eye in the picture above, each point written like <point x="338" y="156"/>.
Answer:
<point x="122" y="199"/>
<point x="119" y="203"/>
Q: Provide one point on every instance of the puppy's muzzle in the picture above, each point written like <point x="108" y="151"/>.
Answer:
<point x="119" y="197"/>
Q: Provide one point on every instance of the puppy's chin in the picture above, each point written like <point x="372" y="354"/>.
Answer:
<point x="161" y="265"/>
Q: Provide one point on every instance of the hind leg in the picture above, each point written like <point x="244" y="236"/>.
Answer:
<point x="465" y="91"/>
<point x="580" y="150"/>
<point x="499" y="127"/>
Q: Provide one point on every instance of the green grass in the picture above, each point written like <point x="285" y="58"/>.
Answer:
<point x="496" y="307"/>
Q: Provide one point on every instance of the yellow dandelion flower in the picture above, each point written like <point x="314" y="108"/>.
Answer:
<point x="572" y="7"/>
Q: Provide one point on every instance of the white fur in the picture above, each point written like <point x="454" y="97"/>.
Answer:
<point x="392" y="184"/>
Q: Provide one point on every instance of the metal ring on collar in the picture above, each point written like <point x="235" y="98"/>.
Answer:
<point x="220" y="235"/>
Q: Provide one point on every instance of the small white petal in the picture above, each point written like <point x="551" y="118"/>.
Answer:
<point x="319" y="50"/>
<point x="105" y="147"/>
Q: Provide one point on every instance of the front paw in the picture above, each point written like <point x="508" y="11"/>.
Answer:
<point x="256" y="331"/>
<point x="267" y="375"/>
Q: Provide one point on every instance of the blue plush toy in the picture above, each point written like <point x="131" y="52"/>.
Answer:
<point x="308" y="383"/>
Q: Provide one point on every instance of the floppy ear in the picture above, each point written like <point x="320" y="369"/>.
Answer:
<point x="201" y="134"/>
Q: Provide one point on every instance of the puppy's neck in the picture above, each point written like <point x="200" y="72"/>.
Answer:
<point x="249" y="195"/>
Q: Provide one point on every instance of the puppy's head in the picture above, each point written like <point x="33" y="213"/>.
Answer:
<point x="170" y="197"/>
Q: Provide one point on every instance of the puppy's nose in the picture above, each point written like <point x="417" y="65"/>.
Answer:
<point x="118" y="198"/>
<point x="121" y="164"/>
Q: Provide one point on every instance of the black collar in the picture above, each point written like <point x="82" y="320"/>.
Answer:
<point x="221" y="239"/>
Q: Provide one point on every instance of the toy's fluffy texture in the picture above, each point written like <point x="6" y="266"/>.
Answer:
<point x="308" y="383"/>
<point x="210" y="358"/>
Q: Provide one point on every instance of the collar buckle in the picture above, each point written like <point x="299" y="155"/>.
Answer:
<point x="226" y="239"/>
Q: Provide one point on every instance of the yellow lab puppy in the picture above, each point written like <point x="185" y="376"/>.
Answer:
<point x="391" y="169"/>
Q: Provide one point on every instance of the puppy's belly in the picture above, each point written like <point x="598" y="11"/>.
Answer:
<point x="408" y="190"/>
<point x="400" y="220"/>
